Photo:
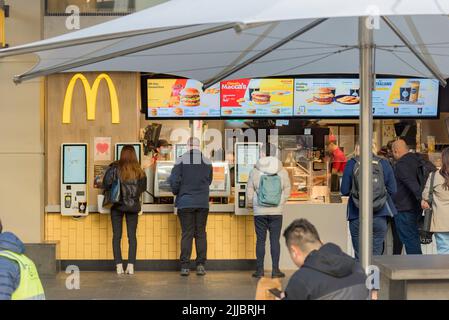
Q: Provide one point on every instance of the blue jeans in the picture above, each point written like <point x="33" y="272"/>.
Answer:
<point x="273" y="224"/>
<point x="379" y="232"/>
<point x="442" y="239"/>
<point x="407" y="228"/>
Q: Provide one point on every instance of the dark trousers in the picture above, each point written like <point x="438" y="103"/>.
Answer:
<point x="379" y="232"/>
<point x="407" y="227"/>
<point x="397" y="243"/>
<point x="273" y="224"/>
<point x="131" y="228"/>
<point x="193" y="224"/>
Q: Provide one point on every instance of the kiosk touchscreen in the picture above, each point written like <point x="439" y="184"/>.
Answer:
<point x="74" y="179"/>
<point x="137" y="147"/>
<point x="246" y="156"/>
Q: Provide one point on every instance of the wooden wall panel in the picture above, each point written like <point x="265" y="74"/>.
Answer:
<point x="80" y="130"/>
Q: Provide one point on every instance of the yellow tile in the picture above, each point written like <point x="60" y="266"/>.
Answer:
<point x="172" y="256"/>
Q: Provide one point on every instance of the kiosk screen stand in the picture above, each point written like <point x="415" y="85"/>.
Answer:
<point x="246" y="156"/>
<point x="74" y="179"/>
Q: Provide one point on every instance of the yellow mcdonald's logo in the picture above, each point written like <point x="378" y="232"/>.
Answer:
<point x="2" y="28"/>
<point x="91" y="97"/>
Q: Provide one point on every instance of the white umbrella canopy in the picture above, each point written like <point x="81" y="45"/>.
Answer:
<point x="330" y="47"/>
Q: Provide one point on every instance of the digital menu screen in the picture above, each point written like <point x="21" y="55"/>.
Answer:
<point x="392" y="97"/>
<point x="257" y="98"/>
<point x="406" y="98"/>
<point x="247" y="157"/>
<point x="74" y="170"/>
<point x="181" y="98"/>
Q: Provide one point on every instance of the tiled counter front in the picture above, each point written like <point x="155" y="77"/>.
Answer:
<point x="158" y="235"/>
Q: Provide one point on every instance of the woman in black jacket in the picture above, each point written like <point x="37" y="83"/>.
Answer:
<point x="133" y="182"/>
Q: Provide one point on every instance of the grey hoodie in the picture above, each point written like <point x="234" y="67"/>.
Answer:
<point x="270" y="166"/>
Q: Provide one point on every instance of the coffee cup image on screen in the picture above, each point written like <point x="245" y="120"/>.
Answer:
<point x="414" y="91"/>
<point x="404" y="93"/>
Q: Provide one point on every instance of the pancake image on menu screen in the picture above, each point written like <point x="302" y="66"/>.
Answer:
<point x="190" y="97"/>
<point x="261" y="97"/>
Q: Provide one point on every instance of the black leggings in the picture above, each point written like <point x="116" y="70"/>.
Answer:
<point x="131" y="227"/>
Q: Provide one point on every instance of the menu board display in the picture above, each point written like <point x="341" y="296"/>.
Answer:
<point x="399" y="97"/>
<point x="247" y="157"/>
<point x="327" y="97"/>
<point x="257" y="98"/>
<point x="181" y="98"/>
<point x="406" y="98"/>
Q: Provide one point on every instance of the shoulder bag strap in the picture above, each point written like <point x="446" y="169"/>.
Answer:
<point x="432" y="179"/>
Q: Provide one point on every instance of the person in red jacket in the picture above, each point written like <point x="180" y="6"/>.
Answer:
<point x="338" y="157"/>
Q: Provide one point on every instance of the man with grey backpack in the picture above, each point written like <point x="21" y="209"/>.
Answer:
<point x="384" y="187"/>
<point x="267" y="191"/>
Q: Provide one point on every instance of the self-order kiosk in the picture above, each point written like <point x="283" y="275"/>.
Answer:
<point x="246" y="156"/>
<point x="74" y="160"/>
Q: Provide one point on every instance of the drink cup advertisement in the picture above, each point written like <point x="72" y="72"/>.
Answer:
<point x="406" y="97"/>
<point x="257" y="98"/>
<point x="327" y="97"/>
<point x="172" y="98"/>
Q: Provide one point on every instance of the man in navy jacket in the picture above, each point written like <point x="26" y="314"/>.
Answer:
<point x="189" y="181"/>
<point x="408" y="197"/>
<point x="380" y="217"/>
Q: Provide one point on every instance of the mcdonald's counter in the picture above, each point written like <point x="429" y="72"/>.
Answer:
<point x="231" y="237"/>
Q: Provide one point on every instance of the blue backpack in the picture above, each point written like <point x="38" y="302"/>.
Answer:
<point x="270" y="191"/>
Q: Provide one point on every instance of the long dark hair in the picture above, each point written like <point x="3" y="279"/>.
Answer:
<point x="444" y="171"/>
<point x="129" y="165"/>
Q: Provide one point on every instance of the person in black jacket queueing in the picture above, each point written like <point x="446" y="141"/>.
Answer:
<point x="189" y="181"/>
<point x="408" y="196"/>
<point x="133" y="183"/>
<point x="326" y="272"/>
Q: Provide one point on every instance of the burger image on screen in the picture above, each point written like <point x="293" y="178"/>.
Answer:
<point x="190" y="97"/>
<point x="260" y="97"/>
<point x="323" y="96"/>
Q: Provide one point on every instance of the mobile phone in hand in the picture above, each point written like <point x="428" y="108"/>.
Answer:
<point x="276" y="292"/>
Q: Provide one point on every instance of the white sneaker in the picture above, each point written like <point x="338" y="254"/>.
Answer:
<point x="130" y="268"/>
<point x="120" y="269"/>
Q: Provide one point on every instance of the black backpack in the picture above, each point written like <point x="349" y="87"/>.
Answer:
<point x="425" y="168"/>
<point x="380" y="193"/>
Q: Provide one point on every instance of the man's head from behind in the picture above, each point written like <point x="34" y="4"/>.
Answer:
<point x="193" y="143"/>
<point x="399" y="148"/>
<point x="1" y="226"/>
<point x="302" y="238"/>
<point x="332" y="143"/>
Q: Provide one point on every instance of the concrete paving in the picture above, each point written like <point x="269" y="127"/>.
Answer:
<point x="216" y="285"/>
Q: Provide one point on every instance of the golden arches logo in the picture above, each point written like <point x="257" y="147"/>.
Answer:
<point x="91" y="97"/>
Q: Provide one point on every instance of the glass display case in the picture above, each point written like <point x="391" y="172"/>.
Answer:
<point x="162" y="172"/>
<point x="220" y="186"/>
<point x="308" y="172"/>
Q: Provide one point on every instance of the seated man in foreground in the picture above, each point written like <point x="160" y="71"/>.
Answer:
<point x="326" y="272"/>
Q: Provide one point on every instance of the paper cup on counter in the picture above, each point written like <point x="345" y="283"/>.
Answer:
<point x="100" y="199"/>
